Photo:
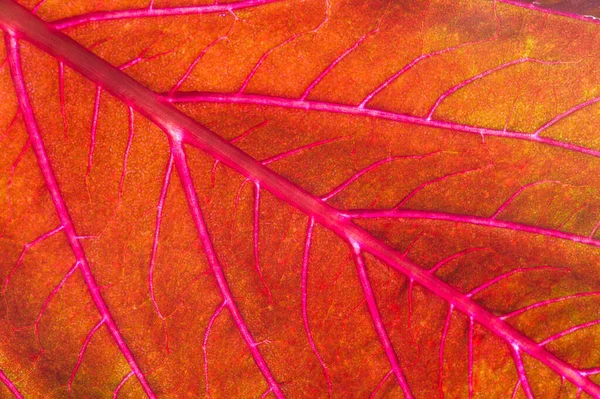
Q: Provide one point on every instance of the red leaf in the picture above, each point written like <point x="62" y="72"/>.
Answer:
<point x="299" y="199"/>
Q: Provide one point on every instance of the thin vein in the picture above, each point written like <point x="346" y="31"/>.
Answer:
<point x="521" y="372"/>
<point x="256" y="241"/>
<point x="214" y="316"/>
<point x="563" y="115"/>
<point x="190" y="193"/>
<point x="24" y="251"/>
<point x="62" y="212"/>
<point x="518" y="192"/>
<point x="407" y="67"/>
<point x="508" y="274"/>
<point x="121" y="384"/>
<point x="457" y="255"/>
<point x="378" y="322"/>
<point x="10" y="385"/>
<point x="304" y="284"/>
<point x="159" y="216"/>
<point x="569" y="331"/>
<point x="421" y="186"/>
<point x="380" y="383"/>
<point x="156" y="12"/>
<point x="481" y="75"/>
<point x="370" y="168"/>
<point x="49" y="299"/>
<point x="469" y="219"/>
<point x="470" y="372"/>
<point x="93" y="136"/>
<point x="441" y="353"/>
<point x="61" y="91"/>
<point x="549" y="302"/>
<point x="181" y="127"/>
<point x="126" y="155"/>
<point x="344" y="109"/>
<point x="86" y="343"/>
<point x="339" y="59"/>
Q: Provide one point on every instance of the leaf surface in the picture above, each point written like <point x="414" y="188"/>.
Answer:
<point x="299" y="199"/>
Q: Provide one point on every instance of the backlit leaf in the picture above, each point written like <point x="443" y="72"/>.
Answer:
<point x="299" y="199"/>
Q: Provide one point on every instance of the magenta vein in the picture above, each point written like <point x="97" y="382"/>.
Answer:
<point x="591" y="371"/>
<point x="335" y="62"/>
<point x="12" y="123"/>
<point x="344" y="109"/>
<point x="49" y="299"/>
<point x="10" y="385"/>
<point x="370" y="168"/>
<point x="262" y="59"/>
<point x="256" y="240"/>
<point x="190" y="193"/>
<point x="156" y="12"/>
<point x="421" y="186"/>
<point x="304" y="286"/>
<point x="595" y="229"/>
<point x="569" y="331"/>
<point x="299" y="150"/>
<point x="380" y="383"/>
<point x="384" y="338"/>
<point x="121" y="384"/>
<point x="441" y="354"/>
<point x="61" y="91"/>
<point x="142" y="56"/>
<point x="563" y="115"/>
<point x="15" y="19"/>
<point x="126" y="155"/>
<point x="37" y="6"/>
<point x="61" y="208"/>
<point x="409" y="294"/>
<point x="548" y="302"/>
<point x="407" y="67"/>
<point x="515" y="389"/>
<point x="506" y="275"/>
<point x="476" y="220"/>
<point x="214" y="316"/>
<point x="457" y="255"/>
<point x="248" y="132"/>
<point x="232" y="141"/>
<point x="93" y="133"/>
<point x="87" y="341"/>
<point x="466" y="82"/>
<point x="17" y="161"/>
<point x="521" y="372"/>
<point x="412" y="243"/>
<point x="572" y="215"/>
<point x="481" y="75"/>
<point x="159" y="213"/>
<point x="518" y="192"/>
<point x="199" y="57"/>
<point x="355" y="177"/>
<point x="26" y="248"/>
<point x="470" y="372"/>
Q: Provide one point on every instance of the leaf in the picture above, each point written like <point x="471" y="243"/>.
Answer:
<point x="299" y="199"/>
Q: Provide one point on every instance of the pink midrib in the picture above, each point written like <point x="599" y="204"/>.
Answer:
<point x="181" y="128"/>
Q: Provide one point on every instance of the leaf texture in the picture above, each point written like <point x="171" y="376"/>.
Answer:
<point x="300" y="199"/>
